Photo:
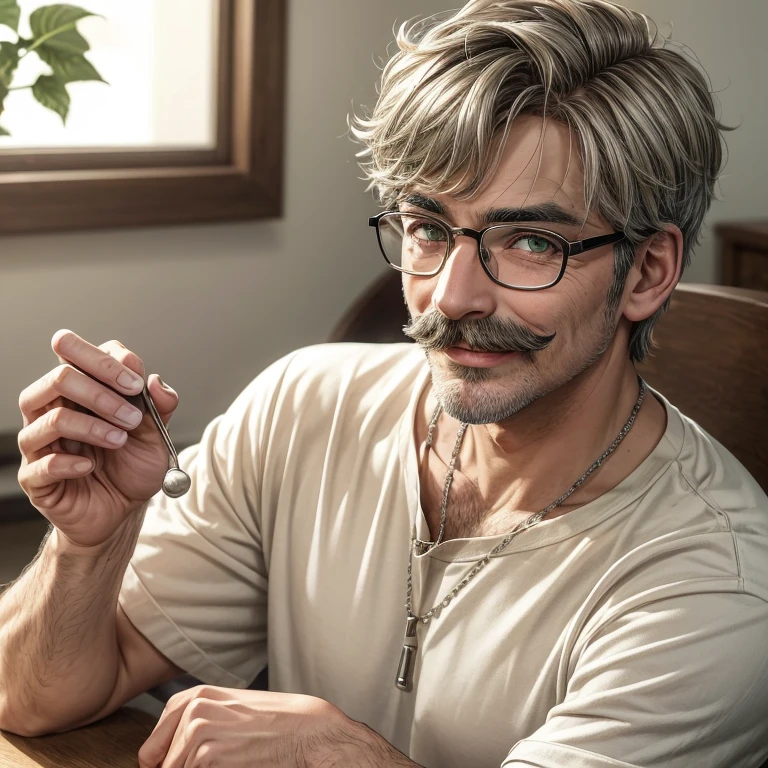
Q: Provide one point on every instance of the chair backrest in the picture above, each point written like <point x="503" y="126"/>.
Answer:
<point x="711" y="361"/>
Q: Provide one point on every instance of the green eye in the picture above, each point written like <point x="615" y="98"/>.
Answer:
<point x="537" y="244"/>
<point x="431" y="233"/>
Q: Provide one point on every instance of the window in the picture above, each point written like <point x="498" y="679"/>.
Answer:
<point x="189" y="129"/>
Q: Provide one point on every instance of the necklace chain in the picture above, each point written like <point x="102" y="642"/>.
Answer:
<point x="525" y="524"/>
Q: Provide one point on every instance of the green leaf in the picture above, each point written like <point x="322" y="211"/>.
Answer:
<point x="9" y="60"/>
<point x="68" y="67"/>
<point x="52" y="93"/>
<point x="55" y="26"/>
<point x="9" y="14"/>
<point x="3" y="94"/>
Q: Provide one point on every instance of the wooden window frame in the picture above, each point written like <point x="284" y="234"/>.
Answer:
<point x="240" y="178"/>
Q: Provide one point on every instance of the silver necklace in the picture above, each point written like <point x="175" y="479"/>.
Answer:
<point x="404" y="679"/>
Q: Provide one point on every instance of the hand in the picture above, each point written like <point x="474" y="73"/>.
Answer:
<point x="232" y="728"/>
<point x="67" y="416"/>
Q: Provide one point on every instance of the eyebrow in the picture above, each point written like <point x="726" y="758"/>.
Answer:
<point x="550" y="213"/>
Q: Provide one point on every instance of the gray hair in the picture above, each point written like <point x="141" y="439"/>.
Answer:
<point x="648" y="136"/>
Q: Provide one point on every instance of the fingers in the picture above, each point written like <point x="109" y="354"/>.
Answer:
<point x="70" y="383"/>
<point x="154" y="751"/>
<point x="155" y="748"/>
<point x="86" y="400"/>
<point x="94" y="378"/>
<point x="77" y="356"/>
<point x="50" y="470"/>
<point x="170" y="740"/>
<point x="41" y="468"/>
<point x="110" y="362"/>
<point x="72" y="425"/>
<point x="85" y="405"/>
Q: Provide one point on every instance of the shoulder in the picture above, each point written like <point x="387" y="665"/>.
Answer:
<point x="712" y="474"/>
<point x="707" y="492"/>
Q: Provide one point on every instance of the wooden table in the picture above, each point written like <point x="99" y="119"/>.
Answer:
<point x="113" y="742"/>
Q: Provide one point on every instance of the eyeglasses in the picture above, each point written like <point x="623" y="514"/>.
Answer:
<point x="524" y="258"/>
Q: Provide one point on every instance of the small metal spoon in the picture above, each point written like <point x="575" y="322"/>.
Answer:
<point x="176" y="482"/>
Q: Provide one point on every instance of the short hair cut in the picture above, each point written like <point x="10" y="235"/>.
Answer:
<point x="649" y="140"/>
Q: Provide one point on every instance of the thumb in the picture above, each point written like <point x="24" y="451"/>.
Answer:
<point x="165" y="398"/>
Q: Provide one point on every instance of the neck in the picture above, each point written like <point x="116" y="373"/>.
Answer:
<point x="527" y="461"/>
<point x="574" y="421"/>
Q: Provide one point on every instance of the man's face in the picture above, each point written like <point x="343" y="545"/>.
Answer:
<point x="490" y="388"/>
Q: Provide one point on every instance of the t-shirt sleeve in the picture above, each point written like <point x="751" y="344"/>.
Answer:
<point x="196" y="586"/>
<point x="674" y="683"/>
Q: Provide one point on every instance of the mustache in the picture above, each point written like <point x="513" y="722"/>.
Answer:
<point x="434" y="331"/>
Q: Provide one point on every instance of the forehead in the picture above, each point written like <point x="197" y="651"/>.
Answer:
<point x="534" y="168"/>
<point x="540" y="159"/>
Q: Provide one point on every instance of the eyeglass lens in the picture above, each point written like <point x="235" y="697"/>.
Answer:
<point x="513" y="257"/>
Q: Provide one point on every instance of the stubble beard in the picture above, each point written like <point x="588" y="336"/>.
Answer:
<point x="484" y="396"/>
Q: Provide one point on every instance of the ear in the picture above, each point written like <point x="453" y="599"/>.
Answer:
<point x="658" y="262"/>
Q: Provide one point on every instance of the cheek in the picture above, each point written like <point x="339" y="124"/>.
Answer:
<point x="541" y="313"/>
<point x="587" y="285"/>
<point x="570" y="316"/>
<point x="571" y="306"/>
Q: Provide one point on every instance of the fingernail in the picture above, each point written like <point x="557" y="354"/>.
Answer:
<point x="164" y="385"/>
<point x="129" y="380"/>
<point x="129" y="415"/>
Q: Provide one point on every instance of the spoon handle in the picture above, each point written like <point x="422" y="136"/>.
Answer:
<point x="174" y="458"/>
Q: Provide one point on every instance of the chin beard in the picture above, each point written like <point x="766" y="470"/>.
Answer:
<point x="478" y="396"/>
<point x="487" y="406"/>
<point x="489" y="412"/>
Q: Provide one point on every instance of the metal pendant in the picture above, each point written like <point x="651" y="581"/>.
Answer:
<point x="404" y="679"/>
<point x="422" y="547"/>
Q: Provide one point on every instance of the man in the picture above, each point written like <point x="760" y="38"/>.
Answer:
<point x="514" y="553"/>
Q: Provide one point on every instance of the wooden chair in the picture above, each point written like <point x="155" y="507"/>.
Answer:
<point x="711" y="361"/>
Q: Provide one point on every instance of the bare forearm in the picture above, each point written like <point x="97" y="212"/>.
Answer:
<point x="59" y="655"/>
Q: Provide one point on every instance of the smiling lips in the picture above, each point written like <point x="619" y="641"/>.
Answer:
<point x="468" y="357"/>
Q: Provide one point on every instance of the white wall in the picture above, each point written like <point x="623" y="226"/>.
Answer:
<point x="728" y="38"/>
<point x="208" y="307"/>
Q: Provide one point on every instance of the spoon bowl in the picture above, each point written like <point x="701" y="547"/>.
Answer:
<point x="176" y="483"/>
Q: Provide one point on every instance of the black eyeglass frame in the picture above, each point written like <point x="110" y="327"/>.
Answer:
<point x="569" y="248"/>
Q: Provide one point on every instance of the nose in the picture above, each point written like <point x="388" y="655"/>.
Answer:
<point x="462" y="288"/>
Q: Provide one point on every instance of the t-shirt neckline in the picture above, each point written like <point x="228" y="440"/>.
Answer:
<point x="547" y="531"/>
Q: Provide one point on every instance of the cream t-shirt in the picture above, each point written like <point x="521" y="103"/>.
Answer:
<point x="632" y="631"/>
